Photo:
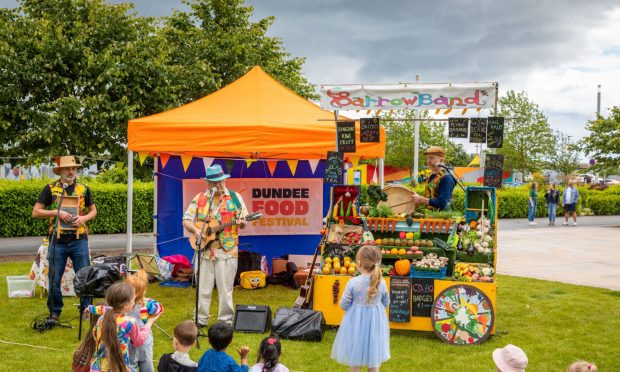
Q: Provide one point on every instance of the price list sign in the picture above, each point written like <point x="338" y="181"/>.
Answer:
<point x="478" y="130"/>
<point x="400" y="299"/>
<point x="495" y="132"/>
<point x="458" y="127"/>
<point x="345" y="135"/>
<point x="493" y="165"/>
<point x="333" y="167"/>
<point x="422" y="296"/>
<point x="369" y="130"/>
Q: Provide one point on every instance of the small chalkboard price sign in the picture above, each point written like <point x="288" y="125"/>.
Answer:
<point x="345" y="133"/>
<point x="333" y="167"/>
<point x="493" y="165"/>
<point x="478" y="130"/>
<point x="495" y="132"/>
<point x="422" y="290"/>
<point x="458" y="127"/>
<point x="400" y="299"/>
<point x="369" y="130"/>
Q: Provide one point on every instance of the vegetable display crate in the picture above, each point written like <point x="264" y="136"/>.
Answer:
<point x="433" y="274"/>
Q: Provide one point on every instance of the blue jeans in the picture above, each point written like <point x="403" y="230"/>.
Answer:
<point x="552" y="207"/>
<point x="77" y="250"/>
<point x="531" y="211"/>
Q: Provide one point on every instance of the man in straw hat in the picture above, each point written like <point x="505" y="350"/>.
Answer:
<point x="71" y="243"/>
<point x="218" y="264"/>
<point x="439" y="186"/>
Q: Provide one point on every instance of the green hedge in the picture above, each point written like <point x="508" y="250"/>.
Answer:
<point x="18" y="198"/>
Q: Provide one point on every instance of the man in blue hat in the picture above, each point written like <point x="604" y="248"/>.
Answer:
<point x="218" y="264"/>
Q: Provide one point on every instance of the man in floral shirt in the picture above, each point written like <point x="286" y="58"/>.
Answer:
<point x="219" y="262"/>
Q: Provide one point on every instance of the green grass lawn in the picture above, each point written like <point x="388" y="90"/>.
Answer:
<point x="554" y="323"/>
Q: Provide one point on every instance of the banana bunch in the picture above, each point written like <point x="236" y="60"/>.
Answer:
<point x="465" y="272"/>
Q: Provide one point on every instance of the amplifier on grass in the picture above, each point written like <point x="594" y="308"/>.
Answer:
<point x="252" y="318"/>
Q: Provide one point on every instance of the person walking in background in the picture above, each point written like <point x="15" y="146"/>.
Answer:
<point x="531" y="203"/>
<point x="552" y="197"/>
<point x="569" y="200"/>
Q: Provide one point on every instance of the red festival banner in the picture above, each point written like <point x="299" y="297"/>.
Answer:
<point x="290" y="206"/>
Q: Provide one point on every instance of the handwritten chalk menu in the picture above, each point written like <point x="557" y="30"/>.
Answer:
<point x="369" y="130"/>
<point x="493" y="165"/>
<point x="478" y="130"/>
<point x="458" y="127"/>
<point x="422" y="296"/>
<point x="400" y="299"/>
<point x="333" y="167"/>
<point x="495" y="132"/>
<point x="345" y="135"/>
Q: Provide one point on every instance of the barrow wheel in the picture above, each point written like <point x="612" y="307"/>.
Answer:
<point x="462" y="315"/>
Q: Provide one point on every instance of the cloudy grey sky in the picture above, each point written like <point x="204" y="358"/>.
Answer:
<point x="556" y="51"/>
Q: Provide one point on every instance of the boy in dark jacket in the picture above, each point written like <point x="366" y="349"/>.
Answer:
<point x="185" y="334"/>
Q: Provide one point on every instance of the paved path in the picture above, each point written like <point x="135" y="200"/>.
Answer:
<point x="97" y="242"/>
<point x="585" y="255"/>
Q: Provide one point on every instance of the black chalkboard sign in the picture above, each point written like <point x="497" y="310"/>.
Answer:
<point x="458" y="127"/>
<point x="478" y="130"/>
<point x="493" y="165"/>
<point x="400" y="299"/>
<point x="345" y="135"/>
<point x="422" y="296"/>
<point x="333" y="167"/>
<point x="369" y="130"/>
<point x="495" y="132"/>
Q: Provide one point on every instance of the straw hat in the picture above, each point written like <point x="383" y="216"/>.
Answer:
<point x="66" y="162"/>
<point x="510" y="358"/>
<point x="435" y="150"/>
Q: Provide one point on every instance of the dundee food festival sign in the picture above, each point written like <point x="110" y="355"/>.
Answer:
<point x="409" y="96"/>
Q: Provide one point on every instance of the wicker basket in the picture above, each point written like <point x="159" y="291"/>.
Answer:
<point x="440" y="274"/>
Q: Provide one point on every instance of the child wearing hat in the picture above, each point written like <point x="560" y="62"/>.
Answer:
<point x="510" y="358"/>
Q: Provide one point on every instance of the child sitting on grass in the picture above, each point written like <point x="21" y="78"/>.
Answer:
<point x="216" y="360"/>
<point x="185" y="334"/>
<point x="510" y="358"/>
<point x="269" y="356"/>
<point x="109" y="341"/>
<point x="582" y="366"/>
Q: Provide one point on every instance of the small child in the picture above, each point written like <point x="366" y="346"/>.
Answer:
<point x="115" y="330"/>
<point x="268" y="356"/>
<point x="141" y="358"/>
<point x="185" y="334"/>
<point x="582" y="366"/>
<point x="216" y="360"/>
<point x="363" y="338"/>
<point x="510" y="358"/>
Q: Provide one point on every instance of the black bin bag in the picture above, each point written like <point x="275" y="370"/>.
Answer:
<point x="94" y="281"/>
<point x="298" y="324"/>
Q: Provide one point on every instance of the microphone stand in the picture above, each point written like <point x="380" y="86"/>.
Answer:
<point x="456" y="180"/>
<point x="50" y="322"/>
<point x="198" y="261"/>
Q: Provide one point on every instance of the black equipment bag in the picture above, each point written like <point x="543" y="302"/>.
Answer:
<point x="298" y="324"/>
<point x="247" y="261"/>
<point x="285" y="277"/>
<point x="94" y="281"/>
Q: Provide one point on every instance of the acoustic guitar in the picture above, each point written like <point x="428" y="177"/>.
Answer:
<point x="211" y="230"/>
<point x="305" y="291"/>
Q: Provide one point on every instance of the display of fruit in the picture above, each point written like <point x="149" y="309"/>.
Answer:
<point x="327" y="260"/>
<point x="402" y="251"/>
<point x="351" y="238"/>
<point x="396" y="241"/>
<point x="343" y="270"/>
<point x="402" y="235"/>
<point x="410" y="242"/>
<point x="337" y="267"/>
<point x="409" y="235"/>
<point x="416" y="242"/>
<point x="429" y="243"/>
<point x="351" y="270"/>
<point x="378" y="241"/>
<point x="394" y="251"/>
<point x="473" y="273"/>
<point x="347" y="263"/>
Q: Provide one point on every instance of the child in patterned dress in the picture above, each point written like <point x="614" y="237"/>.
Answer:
<point x="116" y="330"/>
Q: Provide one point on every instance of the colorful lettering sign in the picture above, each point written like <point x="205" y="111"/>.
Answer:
<point x="408" y="96"/>
<point x="290" y="206"/>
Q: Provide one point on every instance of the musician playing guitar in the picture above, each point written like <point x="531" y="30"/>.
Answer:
<point x="218" y="257"/>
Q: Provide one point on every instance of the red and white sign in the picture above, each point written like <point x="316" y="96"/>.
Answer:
<point x="290" y="206"/>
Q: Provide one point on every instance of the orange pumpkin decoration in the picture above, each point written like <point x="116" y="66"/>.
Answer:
<point x="402" y="267"/>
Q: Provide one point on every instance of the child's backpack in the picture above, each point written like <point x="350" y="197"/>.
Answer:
<point x="253" y="279"/>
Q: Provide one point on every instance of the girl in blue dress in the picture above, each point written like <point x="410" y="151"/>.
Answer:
<point x="363" y="339"/>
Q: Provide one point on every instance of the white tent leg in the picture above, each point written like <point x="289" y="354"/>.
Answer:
<point x="381" y="172"/>
<point x="129" y="201"/>
<point x="155" y="170"/>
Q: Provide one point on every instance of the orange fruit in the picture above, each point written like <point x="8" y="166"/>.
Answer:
<point x="402" y="251"/>
<point x="328" y="260"/>
<point x="337" y="267"/>
<point x="326" y="270"/>
<point x="343" y="270"/>
<point x="347" y="264"/>
<point x="336" y="259"/>
<point x="394" y="251"/>
<point x="378" y="241"/>
<point x="351" y="270"/>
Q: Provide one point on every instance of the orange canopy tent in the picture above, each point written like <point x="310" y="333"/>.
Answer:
<point x="253" y="117"/>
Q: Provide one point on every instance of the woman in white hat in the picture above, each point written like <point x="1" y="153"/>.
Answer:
<point x="71" y="243"/>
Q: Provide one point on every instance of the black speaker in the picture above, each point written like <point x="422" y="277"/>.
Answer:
<point x="252" y="318"/>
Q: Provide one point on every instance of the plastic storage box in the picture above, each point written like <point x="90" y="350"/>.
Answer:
<point x="20" y="286"/>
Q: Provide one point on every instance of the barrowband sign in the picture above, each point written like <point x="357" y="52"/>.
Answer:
<point x="290" y="206"/>
<point x="408" y="96"/>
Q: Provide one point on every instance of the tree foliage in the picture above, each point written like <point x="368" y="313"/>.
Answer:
<point x="73" y="72"/>
<point x="565" y="157"/>
<point x="603" y="142"/>
<point x="400" y="141"/>
<point x="528" y="138"/>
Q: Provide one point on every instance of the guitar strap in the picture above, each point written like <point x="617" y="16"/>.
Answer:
<point x="235" y="199"/>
